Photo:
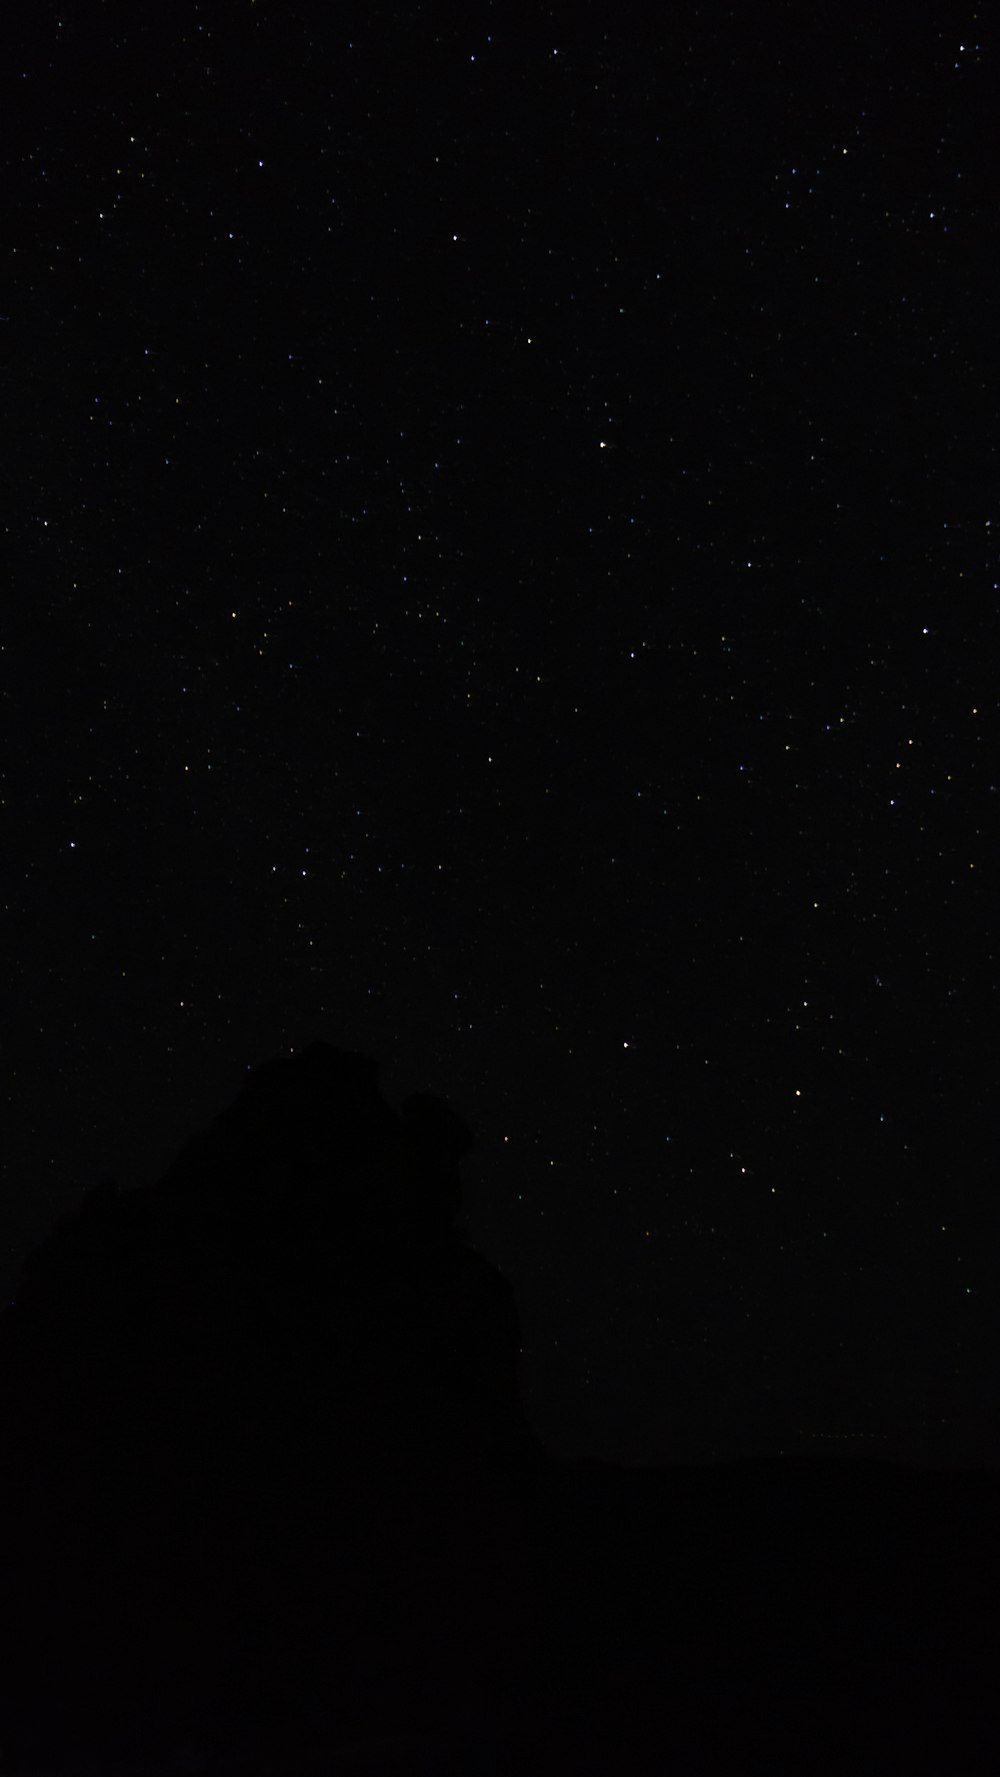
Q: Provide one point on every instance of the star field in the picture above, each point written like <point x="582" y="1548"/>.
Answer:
<point x="502" y="524"/>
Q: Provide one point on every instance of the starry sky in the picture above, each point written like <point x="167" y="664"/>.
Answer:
<point x="500" y="526"/>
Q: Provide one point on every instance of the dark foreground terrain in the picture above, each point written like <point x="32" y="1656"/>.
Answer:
<point x="269" y="1503"/>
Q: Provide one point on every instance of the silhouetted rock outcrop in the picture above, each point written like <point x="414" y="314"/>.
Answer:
<point x="269" y="1503"/>
<point x="261" y="1422"/>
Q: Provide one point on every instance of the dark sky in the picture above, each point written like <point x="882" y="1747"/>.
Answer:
<point x="501" y="526"/>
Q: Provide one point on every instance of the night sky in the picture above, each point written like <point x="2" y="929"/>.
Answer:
<point x="501" y="572"/>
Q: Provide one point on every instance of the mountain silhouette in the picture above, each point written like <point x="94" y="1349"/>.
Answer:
<point x="269" y="1500"/>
